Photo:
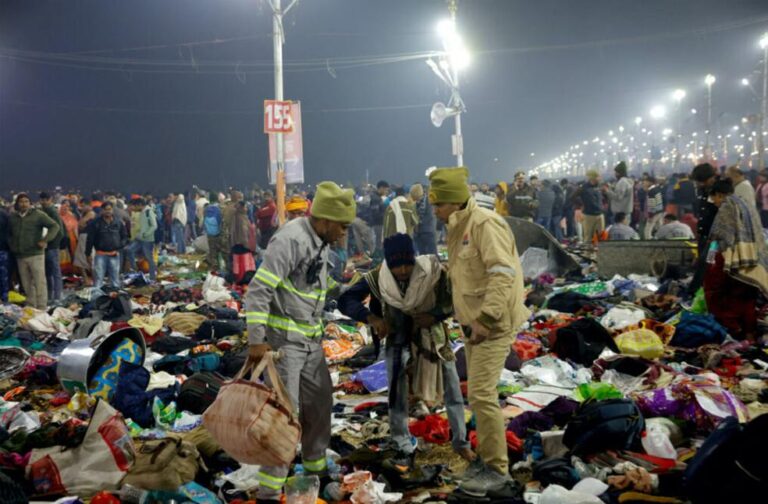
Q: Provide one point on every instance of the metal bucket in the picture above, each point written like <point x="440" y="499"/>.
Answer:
<point x="82" y="358"/>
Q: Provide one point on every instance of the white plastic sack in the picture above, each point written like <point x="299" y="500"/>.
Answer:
<point x="201" y="244"/>
<point x="214" y="289"/>
<point x="555" y="494"/>
<point x="535" y="261"/>
<point x="619" y="318"/>
<point x="99" y="463"/>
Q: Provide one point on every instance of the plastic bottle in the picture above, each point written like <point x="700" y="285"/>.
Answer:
<point x="132" y="495"/>
<point x="657" y="444"/>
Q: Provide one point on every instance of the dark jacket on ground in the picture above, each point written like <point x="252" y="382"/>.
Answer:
<point x="27" y="231"/>
<point x="592" y="199"/>
<point x="55" y="243"/>
<point x="106" y="236"/>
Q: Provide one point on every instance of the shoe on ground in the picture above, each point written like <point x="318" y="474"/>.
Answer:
<point x="399" y="461"/>
<point x="475" y="467"/>
<point x="486" y="480"/>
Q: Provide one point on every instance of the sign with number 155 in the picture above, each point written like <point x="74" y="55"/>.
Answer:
<point x="277" y="116"/>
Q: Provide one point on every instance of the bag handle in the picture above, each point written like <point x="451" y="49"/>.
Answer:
<point x="267" y="363"/>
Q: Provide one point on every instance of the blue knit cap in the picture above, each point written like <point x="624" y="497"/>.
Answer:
<point x="399" y="250"/>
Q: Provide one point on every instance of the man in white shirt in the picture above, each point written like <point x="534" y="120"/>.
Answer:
<point x="741" y="186"/>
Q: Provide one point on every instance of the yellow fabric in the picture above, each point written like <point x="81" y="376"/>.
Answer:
<point x="151" y="325"/>
<point x="642" y="342"/>
<point x="485" y="271"/>
<point x="334" y="203"/>
<point x="296" y="203"/>
<point x="185" y="323"/>
<point x="448" y="185"/>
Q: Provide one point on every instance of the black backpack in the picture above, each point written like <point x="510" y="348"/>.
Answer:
<point x="199" y="391"/>
<point x="730" y="466"/>
<point x="611" y="424"/>
<point x="583" y="341"/>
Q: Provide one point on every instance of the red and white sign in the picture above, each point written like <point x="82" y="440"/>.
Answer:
<point x="277" y="116"/>
<point x="293" y="151"/>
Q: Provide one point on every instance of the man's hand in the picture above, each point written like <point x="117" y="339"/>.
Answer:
<point x="379" y="325"/>
<point x="479" y="333"/>
<point x="256" y="352"/>
<point x="42" y="244"/>
<point x="424" y="320"/>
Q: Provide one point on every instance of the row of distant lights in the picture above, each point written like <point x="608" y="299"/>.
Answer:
<point x="657" y="112"/>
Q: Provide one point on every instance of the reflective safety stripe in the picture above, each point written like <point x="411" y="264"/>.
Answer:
<point x="315" y="465"/>
<point x="315" y="295"/>
<point x="285" y="324"/>
<point x="267" y="278"/>
<point x="506" y="270"/>
<point x="332" y="283"/>
<point x="270" y="481"/>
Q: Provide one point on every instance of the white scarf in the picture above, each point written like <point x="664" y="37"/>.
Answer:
<point x="420" y="295"/>
<point x="399" y="219"/>
<point x="179" y="211"/>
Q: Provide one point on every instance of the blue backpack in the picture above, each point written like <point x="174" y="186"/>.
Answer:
<point x="212" y="220"/>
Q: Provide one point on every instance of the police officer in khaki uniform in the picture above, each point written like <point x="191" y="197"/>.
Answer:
<point x="488" y="297"/>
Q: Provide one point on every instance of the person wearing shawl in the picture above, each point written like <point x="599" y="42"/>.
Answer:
<point x="410" y="298"/>
<point x="737" y="262"/>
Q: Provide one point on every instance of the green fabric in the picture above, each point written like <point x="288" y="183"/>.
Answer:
<point x="55" y="242"/>
<point x="597" y="391"/>
<point x="28" y="230"/>
<point x="449" y="185"/>
<point x="334" y="203"/>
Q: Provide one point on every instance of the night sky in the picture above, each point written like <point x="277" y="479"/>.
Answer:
<point x="162" y="94"/>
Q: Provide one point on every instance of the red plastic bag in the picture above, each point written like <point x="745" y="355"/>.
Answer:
<point x="242" y="264"/>
<point x="433" y="429"/>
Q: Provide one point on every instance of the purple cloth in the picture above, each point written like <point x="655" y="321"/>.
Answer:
<point x="561" y="410"/>
<point x="530" y="420"/>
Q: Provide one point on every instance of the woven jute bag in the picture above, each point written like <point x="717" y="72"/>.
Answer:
<point x="252" y="422"/>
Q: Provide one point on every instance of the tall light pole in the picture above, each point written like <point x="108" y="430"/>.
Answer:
<point x="709" y="80"/>
<point x="678" y="95"/>
<point x="455" y="57"/>
<point x="764" y="108"/>
<point x="278" y="39"/>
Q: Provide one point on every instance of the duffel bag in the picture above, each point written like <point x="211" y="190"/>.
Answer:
<point x="253" y="422"/>
<point x="199" y="391"/>
<point x="163" y="464"/>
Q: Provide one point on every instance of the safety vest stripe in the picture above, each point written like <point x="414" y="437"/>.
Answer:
<point x="266" y="280"/>
<point x="316" y="295"/>
<point x="315" y="465"/>
<point x="285" y="324"/>
<point x="270" y="481"/>
<point x="269" y="274"/>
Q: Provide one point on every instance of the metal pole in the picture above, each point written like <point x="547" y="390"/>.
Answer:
<point x="277" y="42"/>
<point x="709" y="114"/>
<point x="452" y="7"/>
<point x="764" y="111"/>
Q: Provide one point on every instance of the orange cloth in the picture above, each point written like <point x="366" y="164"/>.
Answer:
<point x="296" y="203"/>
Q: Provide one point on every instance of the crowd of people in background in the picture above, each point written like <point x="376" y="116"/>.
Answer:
<point x="104" y="235"/>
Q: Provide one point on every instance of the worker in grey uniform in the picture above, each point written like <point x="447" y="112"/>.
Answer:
<point x="284" y="304"/>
